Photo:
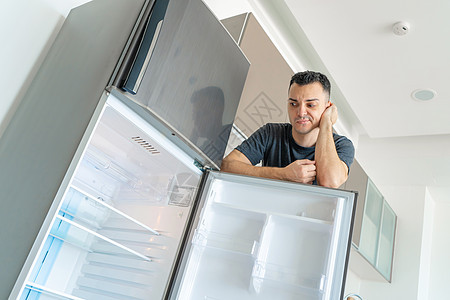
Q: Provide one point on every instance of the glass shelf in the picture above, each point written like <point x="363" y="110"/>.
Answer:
<point x="36" y="291"/>
<point x="88" y="207"/>
<point x="82" y="237"/>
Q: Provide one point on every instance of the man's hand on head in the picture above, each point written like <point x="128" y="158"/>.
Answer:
<point x="329" y="116"/>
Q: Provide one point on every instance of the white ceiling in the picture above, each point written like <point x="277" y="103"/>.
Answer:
<point x="400" y="141"/>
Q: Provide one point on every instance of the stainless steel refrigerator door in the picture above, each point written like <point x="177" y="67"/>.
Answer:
<point x="194" y="76"/>
<point x="255" y="238"/>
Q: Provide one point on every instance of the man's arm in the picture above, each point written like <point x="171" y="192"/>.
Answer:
<point x="303" y="171"/>
<point x="331" y="170"/>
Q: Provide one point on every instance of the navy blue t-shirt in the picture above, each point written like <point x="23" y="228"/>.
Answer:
<point x="274" y="145"/>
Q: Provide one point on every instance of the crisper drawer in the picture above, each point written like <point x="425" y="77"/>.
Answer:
<point x="264" y="239"/>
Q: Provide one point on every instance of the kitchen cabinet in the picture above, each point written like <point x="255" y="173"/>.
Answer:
<point x="371" y="223"/>
<point x="386" y="241"/>
<point x="374" y="228"/>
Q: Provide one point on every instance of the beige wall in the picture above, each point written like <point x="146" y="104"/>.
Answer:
<point x="265" y="92"/>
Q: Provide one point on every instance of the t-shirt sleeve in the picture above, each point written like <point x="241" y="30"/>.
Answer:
<point x="255" y="146"/>
<point x="345" y="150"/>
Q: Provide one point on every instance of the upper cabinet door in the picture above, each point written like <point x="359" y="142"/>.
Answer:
<point x="371" y="223"/>
<point x="386" y="241"/>
<point x="256" y="238"/>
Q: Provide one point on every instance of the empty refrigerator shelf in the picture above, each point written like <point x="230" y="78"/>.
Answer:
<point x="101" y="161"/>
<point x="115" y="210"/>
<point x="36" y="291"/>
<point x="83" y="234"/>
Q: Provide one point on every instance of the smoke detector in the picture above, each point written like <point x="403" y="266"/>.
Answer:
<point x="400" y="28"/>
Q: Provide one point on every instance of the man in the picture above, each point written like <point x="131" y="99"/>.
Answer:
<point x="306" y="150"/>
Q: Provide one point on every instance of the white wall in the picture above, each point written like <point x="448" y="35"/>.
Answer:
<point x="427" y="242"/>
<point x="439" y="288"/>
<point x="408" y="245"/>
<point x="352" y="284"/>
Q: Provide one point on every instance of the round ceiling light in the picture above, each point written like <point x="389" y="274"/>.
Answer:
<point x="423" y="94"/>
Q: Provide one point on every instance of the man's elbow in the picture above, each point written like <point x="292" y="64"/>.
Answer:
<point x="226" y="165"/>
<point x="331" y="181"/>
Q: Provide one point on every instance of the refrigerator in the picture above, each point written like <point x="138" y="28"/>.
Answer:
<point x="140" y="219"/>
<point x="110" y="177"/>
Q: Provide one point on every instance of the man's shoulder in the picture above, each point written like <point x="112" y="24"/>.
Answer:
<point x="341" y="140"/>
<point x="338" y="137"/>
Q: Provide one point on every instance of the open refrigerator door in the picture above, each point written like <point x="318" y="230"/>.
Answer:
<point x="120" y="220"/>
<point x="257" y="238"/>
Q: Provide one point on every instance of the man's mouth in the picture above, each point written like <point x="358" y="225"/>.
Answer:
<point x="302" y="120"/>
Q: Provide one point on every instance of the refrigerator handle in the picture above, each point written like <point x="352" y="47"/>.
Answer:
<point x="131" y="49"/>
<point x="147" y="43"/>
<point x="137" y="84"/>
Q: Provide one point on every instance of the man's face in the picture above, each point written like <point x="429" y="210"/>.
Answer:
<point x="306" y="104"/>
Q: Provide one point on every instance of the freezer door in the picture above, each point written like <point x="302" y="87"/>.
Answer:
<point x="120" y="220"/>
<point x="255" y="238"/>
<point x="190" y="72"/>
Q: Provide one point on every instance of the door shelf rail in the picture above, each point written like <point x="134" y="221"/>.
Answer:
<point x="224" y="242"/>
<point x="327" y="225"/>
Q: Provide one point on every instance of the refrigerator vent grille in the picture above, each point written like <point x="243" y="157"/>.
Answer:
<point x="146" y="145"/>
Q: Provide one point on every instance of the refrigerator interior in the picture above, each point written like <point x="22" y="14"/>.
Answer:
<point x="120" y="221"/>
<point x="263" y="239"/>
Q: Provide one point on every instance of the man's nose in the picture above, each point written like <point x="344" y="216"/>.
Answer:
<point x="301" y="109"/>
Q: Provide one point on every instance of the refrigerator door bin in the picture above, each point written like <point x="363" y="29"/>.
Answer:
<point x="215" y="273"/>
<point x="273" y="197"/>
<point x="293" y="252"/>
<point x="229" y="228"/>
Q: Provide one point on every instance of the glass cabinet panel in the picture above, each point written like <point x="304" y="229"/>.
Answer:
<point x="386" y="242"/>
<point x="371" y="223"/>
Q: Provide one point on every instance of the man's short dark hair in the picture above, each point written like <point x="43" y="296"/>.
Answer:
<point x="307" y="77"/>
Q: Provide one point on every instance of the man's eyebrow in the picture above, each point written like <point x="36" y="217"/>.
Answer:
<point x="307" y="100"/>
